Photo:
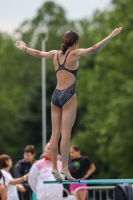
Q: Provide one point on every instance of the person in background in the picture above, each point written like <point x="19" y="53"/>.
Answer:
<point x="7" y="179"/>
<point x="43" y="154"/>
<point x="21" y="168"/>
<point x="3" y="189"/>
<point x="3" y="192"/>
<point x="81" y="167"/>
<point x="40" y="172"/>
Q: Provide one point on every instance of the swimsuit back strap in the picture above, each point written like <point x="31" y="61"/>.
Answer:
<point x="58" y="58"/>
<point x="66" y="57"/>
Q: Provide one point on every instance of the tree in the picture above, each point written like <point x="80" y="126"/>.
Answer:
<point x="107" y="122"/>
<point x="25" y="75"/>
<point x="103" y="127"/>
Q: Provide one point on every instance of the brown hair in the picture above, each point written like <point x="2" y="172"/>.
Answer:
<point x="30" y="149"/>
<point x="68" y="39"/>
<point x="3" y="159"/>
<point x="75" y="148"/>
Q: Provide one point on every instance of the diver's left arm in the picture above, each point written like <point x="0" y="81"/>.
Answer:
<point x="99" y="45"/>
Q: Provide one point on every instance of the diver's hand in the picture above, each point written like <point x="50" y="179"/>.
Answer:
<point x="21" y="45"/>
<point x="115" y="32"/>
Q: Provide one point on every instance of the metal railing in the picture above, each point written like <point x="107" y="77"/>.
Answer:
<point x="98" y="189"/>
<point x="98" y="192"/>
<point x="28" y="195"/>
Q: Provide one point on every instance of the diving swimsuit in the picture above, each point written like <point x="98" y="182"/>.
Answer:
<point x="60" y="97"/>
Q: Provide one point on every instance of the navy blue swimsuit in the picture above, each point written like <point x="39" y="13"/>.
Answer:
<point x="60" y="97"/>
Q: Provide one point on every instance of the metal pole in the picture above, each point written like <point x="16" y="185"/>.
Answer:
<point x="43" y="43"/>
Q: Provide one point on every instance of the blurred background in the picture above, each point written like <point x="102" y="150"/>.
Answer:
<point x="104" y="124"/>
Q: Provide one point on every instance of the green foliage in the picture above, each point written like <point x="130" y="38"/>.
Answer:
<point x="107" y="126"/>
<point x="22" y="88"/>
<point x="103" y="127"/>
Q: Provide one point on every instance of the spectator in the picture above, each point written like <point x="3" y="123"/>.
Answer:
<point x="21" y="168"/>
<point x="43" y="154"/>
<point x="3" y="192"/>
<point x="8" y="180"/>
<point x="40" y="172"/>
<point x="123" y="192"/>
<point x="81" y="167"/>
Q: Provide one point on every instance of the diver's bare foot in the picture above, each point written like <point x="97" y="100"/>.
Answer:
<point x="57" y="176"/>
<point x="67" y="174"/>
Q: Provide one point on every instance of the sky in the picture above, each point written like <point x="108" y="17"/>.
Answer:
<point x="14" y="12"/>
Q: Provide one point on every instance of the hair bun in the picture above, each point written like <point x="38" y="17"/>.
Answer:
<point x="64" y="47"/>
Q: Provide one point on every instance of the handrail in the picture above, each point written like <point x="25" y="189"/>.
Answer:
<point x="93" y="181"/>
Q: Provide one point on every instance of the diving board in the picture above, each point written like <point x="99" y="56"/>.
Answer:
<point x="93" y="181"/>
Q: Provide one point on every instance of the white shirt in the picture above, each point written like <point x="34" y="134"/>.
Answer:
<point x="12" y="193"/>
<point x="40" y="172"/>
